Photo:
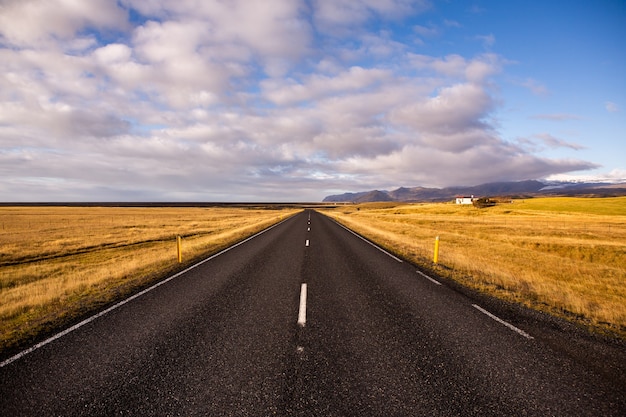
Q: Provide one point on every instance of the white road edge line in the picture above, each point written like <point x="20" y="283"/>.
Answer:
<point x="302" y="308"/>
<point x="428" y="278"/>
<point x="365" y="240"/>
<point x="127" y="300"/>
<point x="499" y="320"/>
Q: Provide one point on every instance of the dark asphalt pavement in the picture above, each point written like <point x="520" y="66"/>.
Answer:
<point x="380" y="339"/>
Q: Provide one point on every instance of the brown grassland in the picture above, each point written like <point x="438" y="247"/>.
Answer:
<point x="565" y="256"/>
<point x="58" y="263"/>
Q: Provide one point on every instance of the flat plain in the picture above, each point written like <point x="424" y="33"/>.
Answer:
<point x="59" y="263"/>
<point x="222" y="339"/>
<point x="562" y="255"/>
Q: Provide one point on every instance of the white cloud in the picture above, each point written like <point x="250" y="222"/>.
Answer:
<point x="379" y="45"/>
<point x="611" y="107"/>
<point x="275" y="31"/>
<point x="236" y="101"/>
<point x="113" y="53"/>
<point x="535" y="87"/>
<point x="317" y="86"/>
<point x="540" y="141"/>
<point x="33" y="23"/>
<point x="476" y="70"/>
<point x="426" y="31"/>
<point x="338" y="13"/>
<point x="451" y="65"/>
<point x="556" y="117"/>
<point x="438" y="167"/>
<point x="451" y="23"/>
<point x="452" y="120"/>
<point x="487" y="40"/>
<point x="617" y="175"/>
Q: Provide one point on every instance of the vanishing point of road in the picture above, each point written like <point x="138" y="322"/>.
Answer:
<point x="309" y="319"/>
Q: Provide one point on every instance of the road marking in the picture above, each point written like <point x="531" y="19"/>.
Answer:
<point x="302" y="309"/>
<point x="499" y="320"/>
<point x="306" y="243"/>
<point x="365" y="240"/>
<point x="308" y="229"/>
<point x="127" y="300"/>
<point x="428" y="278"/>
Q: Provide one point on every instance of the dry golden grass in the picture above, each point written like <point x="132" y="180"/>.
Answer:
<point x="59" y="262"/>
<point x="566" y="256"/>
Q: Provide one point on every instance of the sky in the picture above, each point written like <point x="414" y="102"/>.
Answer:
<point x="294" y="100"/>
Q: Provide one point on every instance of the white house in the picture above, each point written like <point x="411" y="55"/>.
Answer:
<point x="464" y="199"/>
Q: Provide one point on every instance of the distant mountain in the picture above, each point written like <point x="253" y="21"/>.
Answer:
<point x="518" y="189"/>
<point x="374" y="196"/>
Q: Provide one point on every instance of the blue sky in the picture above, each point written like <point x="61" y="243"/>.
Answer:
<point x="288" y="100"/>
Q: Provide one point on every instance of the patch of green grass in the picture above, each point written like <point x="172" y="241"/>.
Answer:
<point x="609" y="206"/>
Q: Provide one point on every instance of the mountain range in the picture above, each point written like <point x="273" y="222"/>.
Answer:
<point x="517" y="189"/>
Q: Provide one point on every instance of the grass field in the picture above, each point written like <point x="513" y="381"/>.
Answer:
<point x="566" y="256"/>
<point x="57" y="263"/>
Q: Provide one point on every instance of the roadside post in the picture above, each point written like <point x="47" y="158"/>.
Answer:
<point x="436" y="255"/>
<point x="179" y="249"/>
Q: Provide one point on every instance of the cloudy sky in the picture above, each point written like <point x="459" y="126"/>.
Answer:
<point x="292" y="100"/>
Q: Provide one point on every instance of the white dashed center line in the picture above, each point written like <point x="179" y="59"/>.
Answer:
<point x="302" y="309"/>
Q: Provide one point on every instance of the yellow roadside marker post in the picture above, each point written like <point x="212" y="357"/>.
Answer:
<point x="179" y="249"/>
<point x="436" y="255"/>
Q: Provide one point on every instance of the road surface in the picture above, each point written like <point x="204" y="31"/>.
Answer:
<point x="366" y="335"/>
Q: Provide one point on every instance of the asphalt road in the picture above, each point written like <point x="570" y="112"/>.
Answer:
<point x="234" y="337"/>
